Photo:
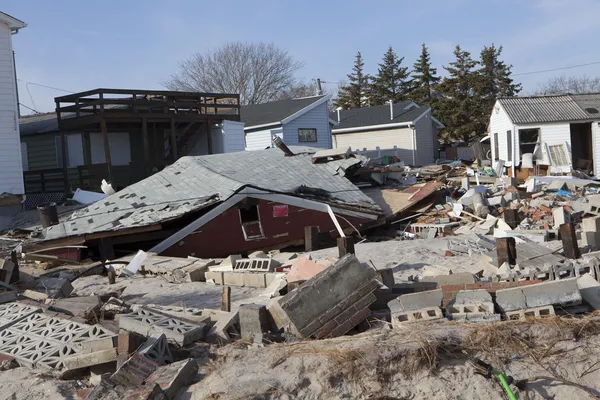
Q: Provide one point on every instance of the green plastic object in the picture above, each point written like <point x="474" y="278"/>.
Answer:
<point x="505" y="385"/>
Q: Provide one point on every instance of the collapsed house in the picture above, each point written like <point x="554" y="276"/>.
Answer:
<point x="213" y="206"/>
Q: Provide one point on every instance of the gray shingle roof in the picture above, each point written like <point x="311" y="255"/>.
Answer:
<point x="275" y="111"/>
<point x="556" y="108"/>
<point x="379" y="115"/>
<point x="38" y="123"/>
<point x="193" y="183"/>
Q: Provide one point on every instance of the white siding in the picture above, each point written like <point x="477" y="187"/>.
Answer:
<point x="234" y="139"/>
<point x="384" y="138"/>
<point x="500" y="123"/>
<point x="424" y="136"/>
<point x="11" y="167"/>
<point x="258" y="140"/>
<point x="550" y="134"/>
<point x="317" y="118"/>
<point x="596" y="145"/>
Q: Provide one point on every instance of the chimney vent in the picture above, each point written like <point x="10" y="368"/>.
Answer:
<point x="391" y="109"/>
<point x="281" y="146"/>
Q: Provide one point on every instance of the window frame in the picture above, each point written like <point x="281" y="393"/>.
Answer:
<point x="301" y="135"/>
<point x="243" y="224"/>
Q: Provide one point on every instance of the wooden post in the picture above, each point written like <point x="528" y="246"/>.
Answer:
<point x="345" y="245"/>
<point x="311" y="238"/>
<point x="511" y="217"/>
<point x="15" y="277"/>
<point x="209" y="137"/>
<point x="506" y="249"/>
<point x="63" y="146"/>
<point x="105" y="247"/>
<point x="106" y="148"/>
<point x="226" y="299"/>
<point x="112" y="276"/>
<point x="173" y="140"/>
<point x="146" y="145"/>
<point x="569" y="240"/>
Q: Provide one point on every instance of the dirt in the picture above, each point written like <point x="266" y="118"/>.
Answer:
<point x="25" y="384"/>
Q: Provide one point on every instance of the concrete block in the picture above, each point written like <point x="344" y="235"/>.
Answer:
<point x="148" y="323"/>
<point x="7" y="296"/>
<point x="564" y="293"/>
<point x="329" y="293"/>
<point x="157" y="349"/>
<point x="129" y="342"/>
<point x="591" y="224"/>
<point x="590" y="239"/>
<point x="471" y="305"/>
<point x="233" y="279"/>
<point x="422" y="315"/>
<point x="225" y="326"/>
<point x="271" y="277"/>
<point x="81" y="307"/>
<point x="497" y="201"/>
<point x="87" y="360"/>
<point x="254" y="319"/>
<point x="256" y="279"/>
<point x="172" y="378"/>
<point x="416" y="301"/>
<point x="560" y="216"/>
<point x="538" y="312"/>
<point x="511" y="299"/>
<point x="54" y="287"/>
<point x="303" y="269"/>
<point x="452" y="279"/>
<point x="590" y="290"/>
<point x="216" y="276"/>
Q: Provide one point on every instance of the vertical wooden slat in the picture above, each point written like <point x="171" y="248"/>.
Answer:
<point x="506" y="250"/>
<point x="106" y="148"/>
<point x="345" y="245"/>
<point x="146" y="143"/>
<point x="311" y="238"/>
<point x="226" y="299"/>
<point x="173" y="141"/>
<point x="209" y="136"/>
<point x="569" y="240"/>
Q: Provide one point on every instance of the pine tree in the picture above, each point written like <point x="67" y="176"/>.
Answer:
<point x="391" y="82"/>
<point x="458" y="107"/>
<point x="353" y="94"/>
<point x="494" y="77"/>
<point x="424" y="79"/>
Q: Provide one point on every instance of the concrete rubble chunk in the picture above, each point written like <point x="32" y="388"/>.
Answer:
<point x="254" y="319"/>
<point x="560" y="216"/>
<point x="472" y="306"/>
<point x="54" y="287"/>
<point x="329" y="304"/>
<point x="511" y="299"/>
<point x="87" y="360"/>
<point x="416" y="301"/>
<point x="225" y="327"/>
<point x="564" y="293"/>
<point x="149" y="323"/>
<point x="82" y="307"/>
<point x="590" y="290"/>
<point x="227" y="264"/>
<point x="135" y="371"/>
<point x="303" y="269"/>
<point x="451" y="279"/>
<point x="157" y="349"/>
<point x="174" y="377"/>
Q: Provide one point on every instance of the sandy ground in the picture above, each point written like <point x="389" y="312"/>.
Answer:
<point x="24" y="384"/>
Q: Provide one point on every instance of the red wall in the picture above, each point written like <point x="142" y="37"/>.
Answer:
<point x="224" y="236"/>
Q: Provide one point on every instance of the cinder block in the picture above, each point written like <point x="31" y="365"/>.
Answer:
<point x="233" y="279"/>
<point x="469" y="303"/>
<point x="538" y="312"/>
<point x="511" y="299"/>
<point x="171" y="378"/>
<point x="589" y="239"/>
<point x="416" y="301"/>
<point x="564" y="292"/>
<point x="590" y="290"/>
<point x="560" y="216"/>
<point x="217" y="276"/>
<point x="422" y="315"/>
<point x="591" y="224"/>
<point x="257" y="279"/>
<point x="254" y="319"/>
<point x="451" y="279"/>
<point x="157" y="349"/>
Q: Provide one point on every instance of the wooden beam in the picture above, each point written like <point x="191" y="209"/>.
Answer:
<point x="63" y="146"/>
<point x="506" y="249"/>
<point x="209" y="138"/>
<point x="311" y="238"/>
<point x="106" y="148"/>
<point x="511" y="217"/>
<point x="146" y="143"/>
<point x="345" y="245"/>
<point x="226" y="299"/>
<point x="569" y="240"/>
<point x="173" y="140"/>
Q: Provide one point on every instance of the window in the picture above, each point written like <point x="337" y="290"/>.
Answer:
<point x="118" y="144"/>
<point x="74" y="147"/>
<point x="528" y="140"/>
<point x="496" y="147"/>
<point x="24" y="156"/>
<point x="559" y="155"/>
<point x="307" y="135"/>
<point x="509" y="145"/>
<point x="250" y="220"/>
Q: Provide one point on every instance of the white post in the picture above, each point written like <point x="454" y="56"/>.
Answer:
<point x="378" y="152"/>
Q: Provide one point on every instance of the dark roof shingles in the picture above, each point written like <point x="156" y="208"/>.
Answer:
<point x="275" y="111"/>
<point x="379" y="115"/>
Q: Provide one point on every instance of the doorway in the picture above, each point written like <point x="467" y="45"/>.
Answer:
<point x="582" y="149"/>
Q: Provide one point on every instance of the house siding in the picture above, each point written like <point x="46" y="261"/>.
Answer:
<point x="596" y="145"/>
<point x="384" y="139"/>
<point x="233" y="132"/>
<point x="424" y="136"/>
<point x="500" y="123"/>
<point x="317" y="118"/>
<point x="11" y="165"/>
<point x="41" y="151"/>
<point x="258" y="140"/>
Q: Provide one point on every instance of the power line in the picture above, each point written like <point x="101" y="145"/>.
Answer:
<point x="45" y="86"/>
<point x="29" y="108"/>
<point x="556" y="69"/>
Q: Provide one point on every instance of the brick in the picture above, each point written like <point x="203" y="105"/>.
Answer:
<point x="342" y="328"/>
<point x="129" y="342"/>
<point x="360" y="316"/>
<point x="345" y="315"/>
<point x="330" y="314"/>
<point x="365" y="301"/>
<point x="326" y="329"/>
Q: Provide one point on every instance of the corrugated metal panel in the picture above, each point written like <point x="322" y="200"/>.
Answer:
<point x="527" y="110"/>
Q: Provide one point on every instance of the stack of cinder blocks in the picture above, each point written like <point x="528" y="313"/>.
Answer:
<point x="415" y="307"/>
<point x="331" y="303"/>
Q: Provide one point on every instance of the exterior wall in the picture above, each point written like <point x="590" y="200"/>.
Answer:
<point x="424" y="136"/>
<point x="234" y="137"/>
<point x="596" y="144"/>
<point x="317" y="118"/>
<point x="11" y="166"/>
<point x="258" y="140"/>
<point x="385" y="139"/>
<point x="550" y="134"/>
<point x="41" y="151"/>
<point x="224" y="236"/>
<point x="500" y="123"/>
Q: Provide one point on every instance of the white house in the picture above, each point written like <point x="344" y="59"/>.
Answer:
<point x="559" y="130"/>
<point x="299" y="122"/>
<point x="11" y="169"/>
<point x="409" y="129"/>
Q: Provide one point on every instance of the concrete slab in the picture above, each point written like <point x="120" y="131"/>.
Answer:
<point x="254" y="319"/>
<point x="416" y="301"/>
<point x="511" y="299"/>
<point x="172" y="378"/>
<point x="54" y="287"/>
<point x="590" y="290"/>
<point x="87" y="360"/>
<point x="452" y="279"/>
<point x="564" y="293"/>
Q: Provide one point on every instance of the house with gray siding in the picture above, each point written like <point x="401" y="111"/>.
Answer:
<point x="559" y="131"/>
<point x="299" y="122"/>
<point x="403" y="129"/>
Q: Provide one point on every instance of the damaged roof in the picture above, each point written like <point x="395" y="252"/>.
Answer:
<point x="194" y="183"/>
<point x="555" y="108"/>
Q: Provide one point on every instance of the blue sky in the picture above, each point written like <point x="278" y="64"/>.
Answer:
<point x="80" y="45"/>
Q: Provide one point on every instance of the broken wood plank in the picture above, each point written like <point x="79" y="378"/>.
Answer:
<point x="569" y="240"/>
<point x="506" y="249"/>
<point x="226" y="299"/>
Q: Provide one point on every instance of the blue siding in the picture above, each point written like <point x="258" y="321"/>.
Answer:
<point x="317" y="118"/>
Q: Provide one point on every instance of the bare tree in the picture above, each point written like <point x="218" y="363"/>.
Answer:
<point x="570" y="84"/>
<point x="259" y="72"/>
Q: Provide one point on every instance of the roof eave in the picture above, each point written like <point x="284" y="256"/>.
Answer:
<point x="371" y="127"/>
<point x="306" y="109"/>
<point x="13" y="23"/>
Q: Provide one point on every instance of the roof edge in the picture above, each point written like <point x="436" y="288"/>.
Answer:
<point x="306" y="109"/>
<point x="369" y="127"/>
<point x="13" y="23"/>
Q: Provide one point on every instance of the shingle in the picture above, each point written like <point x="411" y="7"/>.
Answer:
<point x="379" y="115"/>
<point x="199" y="182"/>
<point x="275" y="111"/>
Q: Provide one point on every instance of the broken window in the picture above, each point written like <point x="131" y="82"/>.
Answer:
<point x="509" y="145"/>
<point x="528" y="140"/>
<point x="307" y="135"/>
<point x="496" y="147"/>
<point x="250" y="220"/>
<point x="558" y="154"/>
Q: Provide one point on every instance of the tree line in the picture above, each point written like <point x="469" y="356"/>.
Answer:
<point x="462" y="100"/>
